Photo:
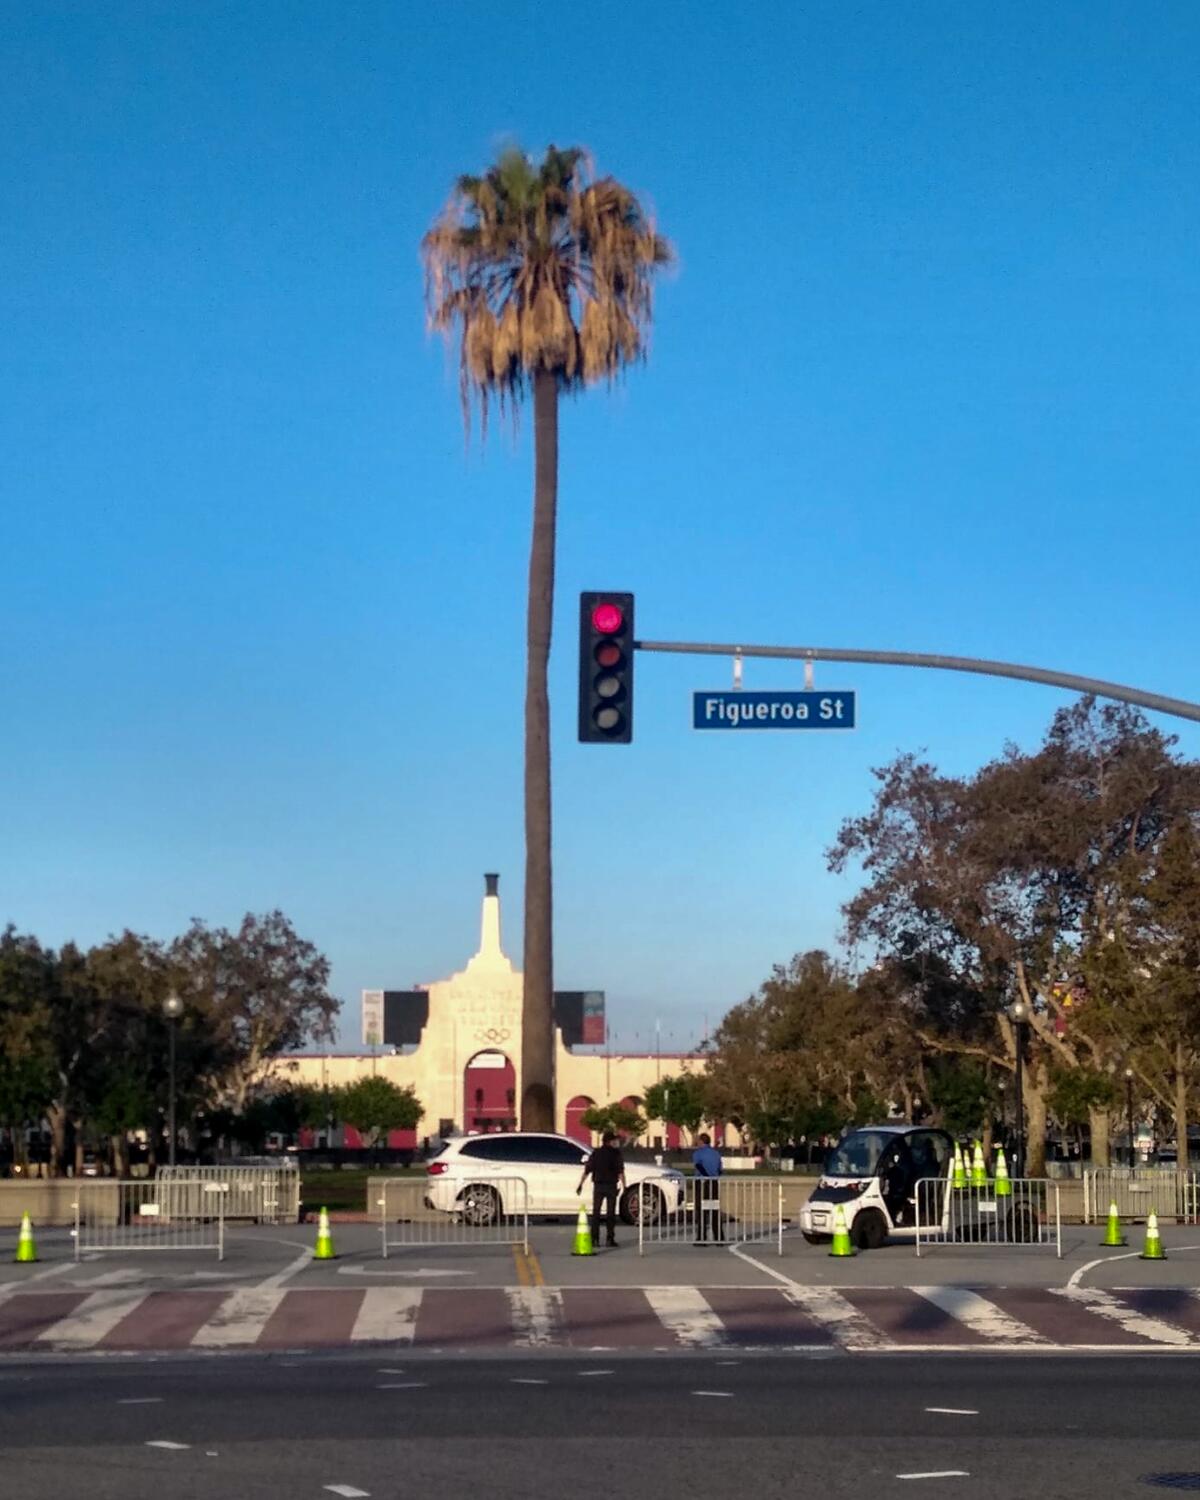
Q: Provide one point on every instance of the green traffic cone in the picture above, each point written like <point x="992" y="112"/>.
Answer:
<point x="958" y="1177"/>
<point x="979" y="1176"/>
<point x="583" y="1235"/>
<point x="1153" y="1248"/>
<point x="1003" y="1185"/>
<point x="26" y="1249"/>
<point x="841" y="1235"/>
<point x="324" y="1246"/>
<point x="1112" y="1234"/>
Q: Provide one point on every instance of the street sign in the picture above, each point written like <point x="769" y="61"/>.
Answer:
<point x="746" y="710"/>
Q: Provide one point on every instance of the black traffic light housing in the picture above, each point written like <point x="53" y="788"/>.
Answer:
<point x="605" y="668"/>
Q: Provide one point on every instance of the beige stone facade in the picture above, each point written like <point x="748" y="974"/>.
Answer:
<point x="473" y="1033"/>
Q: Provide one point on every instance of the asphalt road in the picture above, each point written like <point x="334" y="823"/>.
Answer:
<point x="690" y="1426"/>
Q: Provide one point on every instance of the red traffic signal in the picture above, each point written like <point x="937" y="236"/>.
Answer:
<point x="605" y="668"/>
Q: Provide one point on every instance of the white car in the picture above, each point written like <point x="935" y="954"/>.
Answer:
<point x="481" y="1177"/>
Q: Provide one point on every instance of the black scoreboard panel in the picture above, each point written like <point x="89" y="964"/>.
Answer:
<point x="405" y="1013"/>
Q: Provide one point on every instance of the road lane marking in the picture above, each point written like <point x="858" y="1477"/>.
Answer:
<point x="521" y="1267"/>
<point x="387" y="1314"/>
<point x="683" y="1310"/>
<point x="519" y="1381"/>
<point x="712" y="1393"/>
<point x="98" y="1314"/>
<point x="535" y="1267"/>
<point x="536" y="1315"/>
<point x="838" y="1317"/>
<point x="139" y="1401"/>
<point x="954" y="1411"/>
<point x="271" y="1283"/>
<point x="347" y="1491"/>
<point x="937" y="1474"/>
<point x="979" y="1315"/>
<point x="1105" y="1305"/>
<point x="1104" y="1260"/>
<point x="166" y="1443"/>
<point x="405" y="1385"/>
<point x="583" y="1373"/>
<point x="240" y="1319"/>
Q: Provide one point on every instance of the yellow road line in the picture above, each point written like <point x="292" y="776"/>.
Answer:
<point x="522" y="1265"/>
<point x="535" y="1268"/>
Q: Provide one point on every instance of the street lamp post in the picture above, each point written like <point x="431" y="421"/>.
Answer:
<point x="1020" y="1014"/>
<point x="172" y="1010"/>
<point x="1129" y="1116"/>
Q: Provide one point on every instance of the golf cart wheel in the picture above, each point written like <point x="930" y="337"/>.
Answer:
<point x="815" y="1239"/>
<point x="480" y="1206"/>
<point x="1023" y="1225"/>
<point x="869" y="1230"/>
<point x="645" y="1202"/>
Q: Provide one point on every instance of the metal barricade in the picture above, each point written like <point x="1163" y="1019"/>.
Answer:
<point x="266" y="1194"/>
<point x="149" y="1214"/>
<point x="439" y="1211"/>
<point x="1027" y="1217"/>
<point x="708" y="1211"/>
<point x="1170" y="1192"/>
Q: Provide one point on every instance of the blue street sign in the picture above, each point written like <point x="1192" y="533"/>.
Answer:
<point x="745" y="710"/>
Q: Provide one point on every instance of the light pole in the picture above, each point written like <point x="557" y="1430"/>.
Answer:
<point x="1020" y="1014"/>
<point x="1129" y="1116"/>
<point x="172" y="1010"/>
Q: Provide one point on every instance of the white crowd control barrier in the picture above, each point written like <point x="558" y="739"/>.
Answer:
<point x="149" y="1214"/>
<point x="1027" y="1216"/>
<point x="268" y="1195"/>
<point x="432" y="1211"/>
<point x="1171" y="1193"/>
<point x="708" y="1211"/>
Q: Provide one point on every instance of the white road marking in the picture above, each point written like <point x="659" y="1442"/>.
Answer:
<point x="937" y="1474"/>
<point x="239" y="1319"/>
<point x="954" y="1411"/>
<point x="403" y="1385"/>
<point x="518" y="1381"/>
<point x="1076" y="1277"/>
<point x="683" y="1310"/>
<point x="390" y="1372"/>
<point x="98" y="1314"/>
<point x="423" y="1273"/>
<point x="712" y="1393"/>
<point x="583" y="1373"/>
<point x="536" y="1314"/>
<point x="387" y="1313"/>
<point x="828" y="1308"/>
<point x="140" y="1401"/>
<point x="1107" y="1306"/>
<point x="165" y="1443"/>
<point x="979" y="1315"/>
<point x="272" y="1283"/>
<point x="347" y="1491"/>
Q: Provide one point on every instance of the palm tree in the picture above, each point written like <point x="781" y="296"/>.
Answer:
<point x="544" y="273"/>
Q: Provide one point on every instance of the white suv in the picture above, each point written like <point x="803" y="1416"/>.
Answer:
<point x="470" y="1173"/>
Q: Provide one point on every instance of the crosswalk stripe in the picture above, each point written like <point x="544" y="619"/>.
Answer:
<point x="536" y="1315"/>
<point x="980" y="1315"/>
<point x="683" y="1310"/>
<point x="239" y="1320"/>
<point x="834" y="1313"/>
<point x="387" y="1313"/>
<point x="98" y="1314"/>
<point x="1105" y="1305"/>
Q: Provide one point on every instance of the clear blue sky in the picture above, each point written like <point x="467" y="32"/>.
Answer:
<point x="927" y="378"/>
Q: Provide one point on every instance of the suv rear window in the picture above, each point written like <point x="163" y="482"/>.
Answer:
<point x="492" y="1148"/>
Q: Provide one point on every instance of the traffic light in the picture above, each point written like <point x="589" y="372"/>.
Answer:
<point x="606" y="669"/>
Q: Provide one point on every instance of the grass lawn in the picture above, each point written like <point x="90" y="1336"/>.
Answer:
<point x="344" y="1191"/>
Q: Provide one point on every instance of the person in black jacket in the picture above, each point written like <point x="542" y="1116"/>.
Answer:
<point x="606" y="1168"/>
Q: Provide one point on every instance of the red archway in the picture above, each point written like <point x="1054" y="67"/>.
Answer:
<point x="489" y="1092"/>
<point x="576" y="1129"/>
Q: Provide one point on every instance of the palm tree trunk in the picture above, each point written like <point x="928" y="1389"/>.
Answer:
<point x="537" y="1020"/>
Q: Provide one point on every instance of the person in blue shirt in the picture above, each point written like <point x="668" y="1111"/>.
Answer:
<point x="706" y="1163"/>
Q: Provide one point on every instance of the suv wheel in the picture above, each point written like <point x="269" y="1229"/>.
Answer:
<point x="480" y="1205"/>
<point x="643" y="1202"/>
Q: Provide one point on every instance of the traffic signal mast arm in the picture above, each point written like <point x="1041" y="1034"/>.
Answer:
<point x="1179" y="707"/>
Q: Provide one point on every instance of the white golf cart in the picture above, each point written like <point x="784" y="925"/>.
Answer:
<point x="873" y="1173"/>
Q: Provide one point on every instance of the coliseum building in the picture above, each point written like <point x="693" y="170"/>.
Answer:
<point x="457" y="1041"/>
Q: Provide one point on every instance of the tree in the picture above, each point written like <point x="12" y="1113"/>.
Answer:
<point x="260" y="991"/>
<point x="376" y="1105"/>
<point x="615" y="1117"/>
<point x="999" y="887"/>
<point x="678" y="1100"/>
<point x="545" y="275"/>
